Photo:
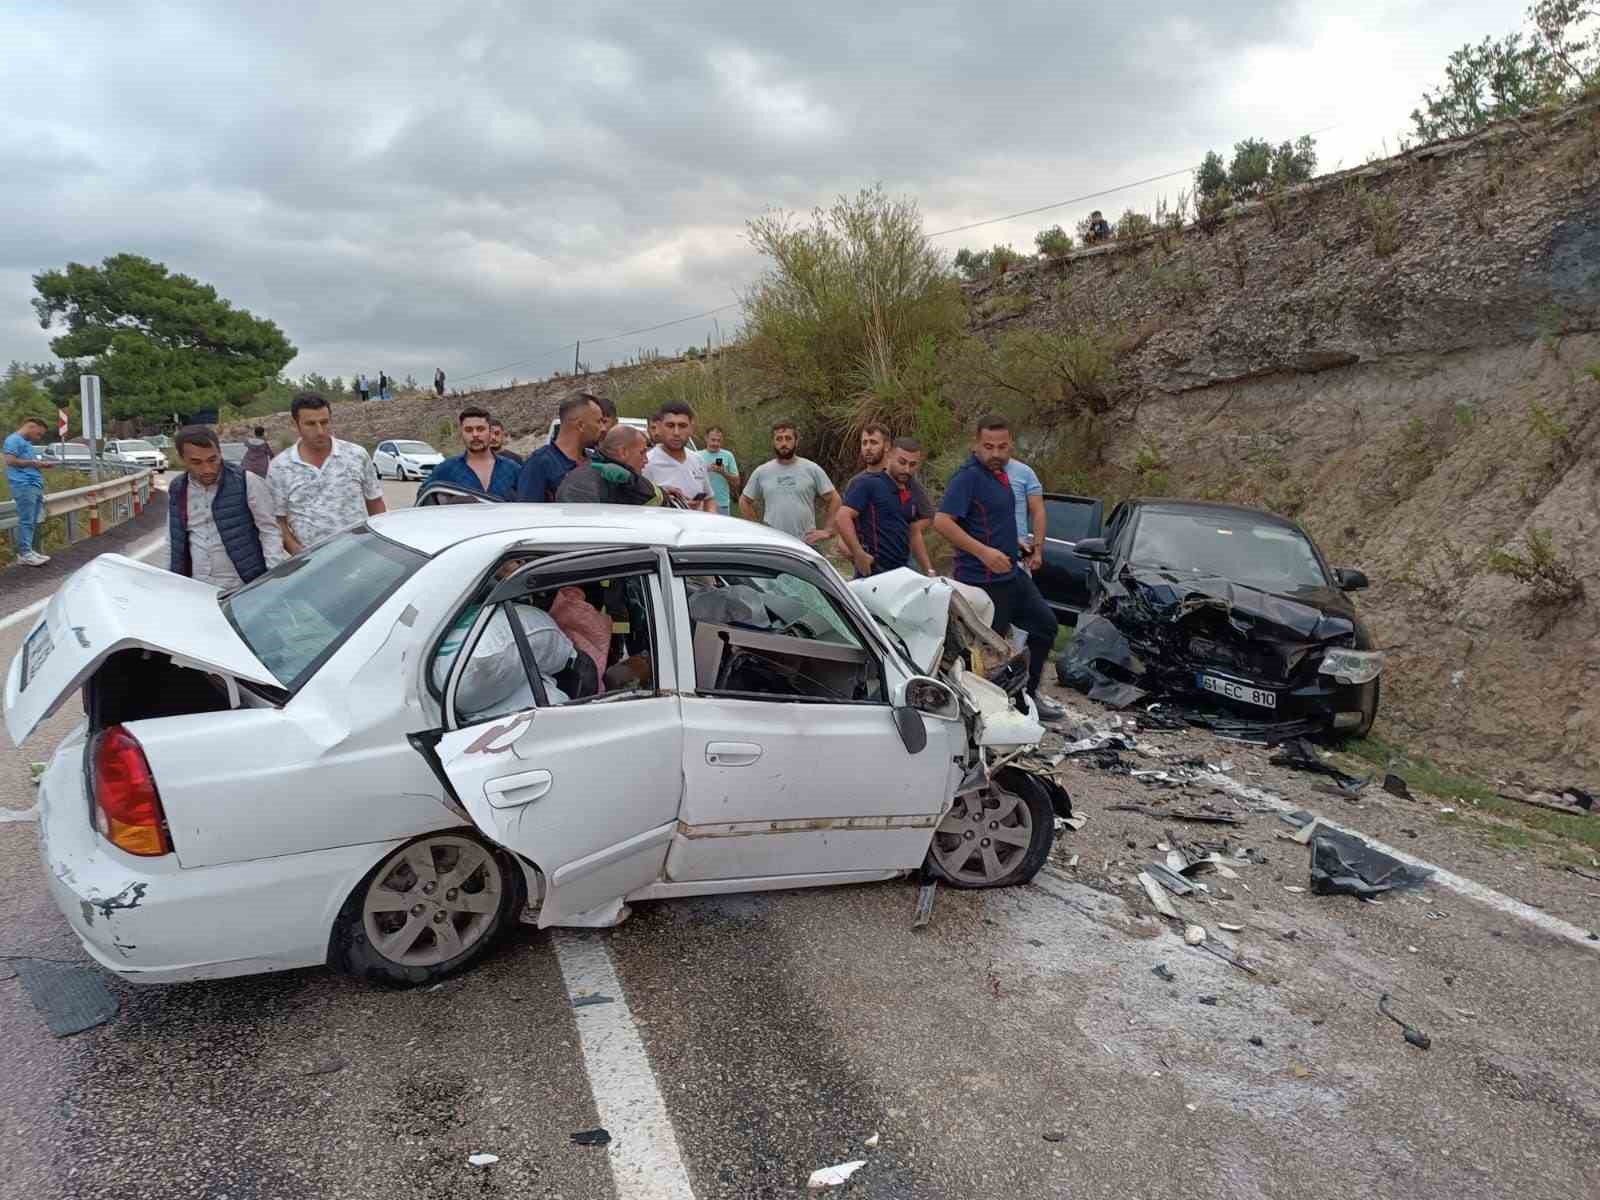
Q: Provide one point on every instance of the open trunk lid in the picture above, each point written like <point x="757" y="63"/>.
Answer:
<point x="115" y="603"/>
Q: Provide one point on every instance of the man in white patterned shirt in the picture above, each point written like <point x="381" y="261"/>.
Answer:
<point x="320" y="484"/>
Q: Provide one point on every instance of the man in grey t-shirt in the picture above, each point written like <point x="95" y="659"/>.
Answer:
<point x="787" y="487"/>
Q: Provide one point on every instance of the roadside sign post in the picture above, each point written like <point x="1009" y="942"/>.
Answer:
<point x="89" y="396"/>
<point x="61" y="425"/>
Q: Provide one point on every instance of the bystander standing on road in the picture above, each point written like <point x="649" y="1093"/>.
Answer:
<point x="257" y="453"/>
<point x="362" y="386"/>
<point x="722" y="469"/>
<point x="320" y="484"/>
<point x="438" y="381"/>
<point x="478" y="466"/>
<point x="881" y="521"/>
<point x="613" y="474"/>
<point x="978" y="516"/>
<point x="673" y="465"/>
<point x="221" y="528"/>
<point x="547" y="466"/>
<point x="497" y="442"/>
<point x="26" y="480"/>
<point x="788" y="487"/>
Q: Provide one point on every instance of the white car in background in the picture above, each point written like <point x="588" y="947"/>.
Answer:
<point x="405" y="460"/>
<point x="384" y="751"/>
<point x="137" y="451"/>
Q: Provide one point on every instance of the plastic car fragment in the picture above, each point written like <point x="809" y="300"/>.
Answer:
<point x="1345" y="865"/>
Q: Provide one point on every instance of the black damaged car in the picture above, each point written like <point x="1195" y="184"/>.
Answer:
<point x="1232" y="613"/>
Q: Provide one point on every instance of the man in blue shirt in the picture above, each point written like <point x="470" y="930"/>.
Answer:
<point x="27" y="486"/>
<point x="882" y="519"/>
<point x="549" y="464"/>
<point x="1029" y="492"/>
<point x="479" y="466"/>
<point x="978" y="516"/>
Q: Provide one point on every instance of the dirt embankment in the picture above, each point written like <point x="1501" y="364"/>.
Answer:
<point x="1407" y="358"/>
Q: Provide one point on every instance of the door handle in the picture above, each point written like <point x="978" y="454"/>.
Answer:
<point x="732" y="754"/>
<point x="513" y="791"/>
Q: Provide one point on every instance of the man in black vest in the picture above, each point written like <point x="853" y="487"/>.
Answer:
<point x="220" y="523"/>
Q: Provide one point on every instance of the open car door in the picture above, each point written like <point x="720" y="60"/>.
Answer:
<point x="584" y="786"/>
<point x="1063" y="579"/>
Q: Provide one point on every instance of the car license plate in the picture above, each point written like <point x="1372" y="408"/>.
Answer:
<point x="34" y="653"/>
<point x="1239" y="691"/>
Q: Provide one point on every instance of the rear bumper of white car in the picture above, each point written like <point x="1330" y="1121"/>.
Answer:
<point x="149" y="920"/>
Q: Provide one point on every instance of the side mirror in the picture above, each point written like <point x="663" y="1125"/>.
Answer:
<point x="1093" y="548"/>
<point x="913" y="733"/>
<point x="1350" y="579"/>
<point x="932" y="697"/>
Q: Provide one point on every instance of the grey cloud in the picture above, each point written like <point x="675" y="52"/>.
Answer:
<point x="465" y="185"/>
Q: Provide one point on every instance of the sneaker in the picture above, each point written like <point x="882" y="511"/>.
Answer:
<point x="31" y="559"/>
<point x="1047" y="708"/>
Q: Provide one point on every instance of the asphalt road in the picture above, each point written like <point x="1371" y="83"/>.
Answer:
<point x="1020" y="1045"/>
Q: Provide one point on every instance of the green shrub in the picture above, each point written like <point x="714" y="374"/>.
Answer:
<point x="1133" y="225"/>
<point x="1542" y="569"/>
<point x="850" y="294"/>
<point x="1054" y="242"/>
<point x="1383" y="222"/>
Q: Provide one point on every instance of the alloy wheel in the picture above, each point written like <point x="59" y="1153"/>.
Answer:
<point x="432" y="901"/>
<point x="984" y="836"/>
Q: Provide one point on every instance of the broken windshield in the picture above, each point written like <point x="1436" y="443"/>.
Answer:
<point x="1271" y="557"/>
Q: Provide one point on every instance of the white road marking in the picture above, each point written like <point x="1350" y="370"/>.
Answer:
<point x="144" y="550"/>
<point x="645" y="1164"/>
<point x="1456" y="883"/>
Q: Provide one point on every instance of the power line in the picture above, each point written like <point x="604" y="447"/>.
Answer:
<point x="576" y="342"/>
<point x="1121" y="187"/>
<point x="711" y="312"/>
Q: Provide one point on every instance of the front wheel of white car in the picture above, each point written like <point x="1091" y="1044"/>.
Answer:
<point x="428" y="909"/>
<point x="997" y="836"/>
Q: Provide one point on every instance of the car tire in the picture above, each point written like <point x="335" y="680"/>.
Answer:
<point x="1017" y="802"/>
<point x="395" y="898"/>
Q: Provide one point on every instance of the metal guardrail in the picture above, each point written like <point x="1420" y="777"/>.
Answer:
<point x="127" y="494"/>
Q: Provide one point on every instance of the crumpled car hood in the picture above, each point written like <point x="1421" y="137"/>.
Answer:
<point x="1254" y="612"/>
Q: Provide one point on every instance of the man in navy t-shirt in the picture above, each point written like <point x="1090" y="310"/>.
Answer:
<point x="883" y="516"/>
<point x="549" y="465"/>
<point x="978" y="516"/>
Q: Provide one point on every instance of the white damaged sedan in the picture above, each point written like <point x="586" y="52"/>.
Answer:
<point x="386" y="750"/>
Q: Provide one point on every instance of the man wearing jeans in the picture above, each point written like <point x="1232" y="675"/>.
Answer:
<point x="27" y="487"/>
<point x="978" y="517"/>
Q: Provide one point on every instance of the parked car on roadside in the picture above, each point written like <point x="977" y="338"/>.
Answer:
<point x="400" y="459"/>
<point x="136" y="451"/>
<point x="388" y="748"/>
<point x="1228" y="607"/>
<point x="73" y="454"/>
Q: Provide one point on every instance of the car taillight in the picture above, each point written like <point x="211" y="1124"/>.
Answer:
<point x="127" y="805"/>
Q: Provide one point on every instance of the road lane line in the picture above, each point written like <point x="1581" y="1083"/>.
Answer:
<point x="645" y="1163"/>
<point x="143" y="550"/>
<point x="1459" y="884"/>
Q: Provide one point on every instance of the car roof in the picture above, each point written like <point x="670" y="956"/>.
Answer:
<point x="1212" y="508"/>
<point x="436" y="528"/>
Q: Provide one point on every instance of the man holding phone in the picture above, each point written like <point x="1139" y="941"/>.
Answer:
<point x="723" y="469"/>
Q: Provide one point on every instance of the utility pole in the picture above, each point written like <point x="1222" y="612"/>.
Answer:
<point x="577" y="348"/>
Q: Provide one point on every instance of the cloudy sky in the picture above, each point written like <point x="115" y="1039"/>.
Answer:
<point x="471" y="185"/>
